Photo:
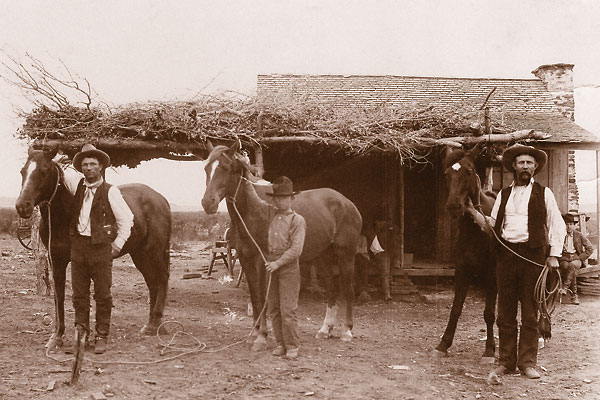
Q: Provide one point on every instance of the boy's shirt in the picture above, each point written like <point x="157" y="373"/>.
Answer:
<point x="286" y="237"/>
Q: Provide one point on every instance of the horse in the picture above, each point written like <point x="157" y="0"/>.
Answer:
<point x="473" y="253"/>
<point x="148" y="244"/>
<point x="333" y="225"/>
<point x="386" y="233"/>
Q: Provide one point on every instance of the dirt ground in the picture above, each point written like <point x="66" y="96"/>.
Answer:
<point x="389" y="358"/>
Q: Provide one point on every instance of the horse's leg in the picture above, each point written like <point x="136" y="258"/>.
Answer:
<point x="461" y="286"/>
<point x="59" y="273"/>
<point x="157" y="282"/>
<point x="489" y="313"/>
<point x="255" y="276"/>
<point x="347" y="280"/>
<point x="331" y="281"/>
<point x="361" y="274"/>
<point x="383" y="266"/>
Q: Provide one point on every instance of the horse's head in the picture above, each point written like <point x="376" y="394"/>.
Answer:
<point x="224" y="168"/>
<point x="462" y="180"/>
<point x="39" y="180"/>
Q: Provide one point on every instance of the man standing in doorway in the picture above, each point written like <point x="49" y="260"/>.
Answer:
<point x="527" y="219"/>
<point x="100" y="226"/>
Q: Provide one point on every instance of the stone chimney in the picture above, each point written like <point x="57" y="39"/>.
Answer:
<point x="558" y="79"/>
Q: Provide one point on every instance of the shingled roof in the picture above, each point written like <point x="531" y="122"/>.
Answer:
<point x="515" y="103"/>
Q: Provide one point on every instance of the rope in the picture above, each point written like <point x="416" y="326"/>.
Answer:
<point x="169" y="346"/>
<point x="232" y="201"/>
<point x="545" y="298"/>
<point x="199" y="347"/>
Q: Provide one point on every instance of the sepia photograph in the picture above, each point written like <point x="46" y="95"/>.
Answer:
<point x="312" y="199"/>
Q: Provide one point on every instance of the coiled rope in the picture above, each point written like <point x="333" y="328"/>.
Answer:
<point x="180" y="332"/>
<point x="546" y="298"/>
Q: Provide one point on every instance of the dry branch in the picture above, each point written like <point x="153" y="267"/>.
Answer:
<point x="182" y="126"/>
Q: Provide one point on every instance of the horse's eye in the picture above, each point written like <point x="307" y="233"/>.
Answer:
<point x="470" y="171"/>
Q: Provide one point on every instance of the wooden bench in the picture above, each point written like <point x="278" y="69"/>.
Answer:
<point x="222" y="251"/>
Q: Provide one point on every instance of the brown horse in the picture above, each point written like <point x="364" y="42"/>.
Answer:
<point x="148" y="244"/>
<point x="333" y="227"/>
<point x="473" y="256"/>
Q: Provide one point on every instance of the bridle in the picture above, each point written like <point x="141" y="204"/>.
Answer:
<point x="232" y="200"/>
<point x="59" y="175"/>
<point x="48" y="203"/>
<point x="545" y="298"/>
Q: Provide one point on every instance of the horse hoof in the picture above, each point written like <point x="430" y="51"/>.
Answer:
<point x="440" y="354"/>
<point x="259" y="346"/>
<point x="388" y="298"/>
<point x="149" y="330"/>
<point x="346" y="336"/>
<point x="54" y="342"/>
<point x="322" y="335"/>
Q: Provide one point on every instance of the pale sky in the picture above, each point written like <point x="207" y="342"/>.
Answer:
<point x="165" y="50"/>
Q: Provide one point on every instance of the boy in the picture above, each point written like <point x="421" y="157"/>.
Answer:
<point x="286" y="240"/>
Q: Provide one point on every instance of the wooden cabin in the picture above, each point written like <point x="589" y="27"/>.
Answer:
<point x="413" y="194"/>
<point x="409" y="191"/>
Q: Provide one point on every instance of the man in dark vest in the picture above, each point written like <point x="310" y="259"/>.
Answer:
<point x="528" y="221"/>
<point x="576" y="250"/>
<point x="100" y="226"/>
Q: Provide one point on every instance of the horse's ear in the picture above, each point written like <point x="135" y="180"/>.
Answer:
<point x="474" y="152"/>
<point x="50" y="153"/>
<point x="30" y="151"/>
<point x="209" y="146"/>
<point x="234" y="148"/>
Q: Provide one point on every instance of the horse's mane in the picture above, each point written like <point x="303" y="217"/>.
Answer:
<point x="250" y="169"/>
<point x="216" y="153"/>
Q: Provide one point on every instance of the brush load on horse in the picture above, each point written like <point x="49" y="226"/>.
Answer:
<point x="333" y="225"/>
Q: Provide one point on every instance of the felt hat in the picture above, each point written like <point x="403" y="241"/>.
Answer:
<point x="509" y="155"/>
<point x="89" y="150"/>
<point x="569" y="218"/>
<point x="283" y="186"/>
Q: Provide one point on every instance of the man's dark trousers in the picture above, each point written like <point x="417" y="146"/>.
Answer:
<point x="516" y="280"/>
<point x="91" y="262"/>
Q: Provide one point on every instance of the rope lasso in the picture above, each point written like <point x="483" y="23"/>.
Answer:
<point x="545" y="298"/>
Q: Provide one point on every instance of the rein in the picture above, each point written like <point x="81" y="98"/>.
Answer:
<point x="49" y="210"/>
<point x="545" y="298"/>
<point x="232" y="201"/>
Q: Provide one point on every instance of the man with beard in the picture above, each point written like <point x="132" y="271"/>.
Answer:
<point x="529" y="223"/>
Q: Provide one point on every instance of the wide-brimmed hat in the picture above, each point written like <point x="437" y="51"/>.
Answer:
<point x="283" y="186"/>
<point x="513" y="151"/>
<point x="569" y="218"/>
<point x="89" y="150"/>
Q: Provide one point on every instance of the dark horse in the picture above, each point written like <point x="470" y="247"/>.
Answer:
<point x="148" y="244"/>
<point x="333" y="227"/>
<point x="473" y="251"/>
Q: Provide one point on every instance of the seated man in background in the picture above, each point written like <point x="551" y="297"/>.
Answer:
<point x="576" y="250"/>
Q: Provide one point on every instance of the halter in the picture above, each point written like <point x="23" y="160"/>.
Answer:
<point x="49" y="210"/>
<point x="232" y="201"/>
<point x="56" y="185"/>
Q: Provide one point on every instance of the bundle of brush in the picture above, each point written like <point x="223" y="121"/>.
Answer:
<point x="547" y="293"/>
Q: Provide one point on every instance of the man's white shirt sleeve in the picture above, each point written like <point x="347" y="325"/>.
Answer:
<point x="123" y="216"/>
